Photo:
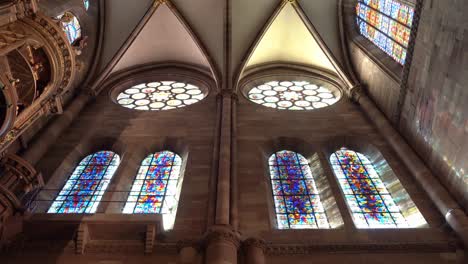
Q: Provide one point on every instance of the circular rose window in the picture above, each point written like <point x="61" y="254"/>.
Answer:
<point x="293" y="95"/>
<point x="163" y="95"/>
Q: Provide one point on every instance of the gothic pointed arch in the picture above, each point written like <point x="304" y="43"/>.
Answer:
<point x="163" y="36"/>
<point x="289" y="37"/>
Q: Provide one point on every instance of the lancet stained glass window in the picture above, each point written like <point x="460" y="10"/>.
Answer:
<point x="387" y="23"/>
<point x="371" y="205"/>
<point x="297" y="203"/>
<point x="86" y="186"/>
<point x="71" y="26"/>
<point x="154" y="189"/>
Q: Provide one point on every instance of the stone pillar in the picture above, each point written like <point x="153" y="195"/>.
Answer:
<point x="188" y="252"/>
<point x="254" y="250"/>
<point x="51" y="133"/>
<point x="221" y="245"/>
<point x="224" y="168"/>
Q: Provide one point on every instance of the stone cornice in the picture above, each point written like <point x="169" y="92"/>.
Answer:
<point x="222" y="234"/>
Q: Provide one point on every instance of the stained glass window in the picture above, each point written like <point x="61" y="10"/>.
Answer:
<point x="86" y="4"/>
<point x="70" y="26"/>
<point x="163" y="95"/>
<point x="87" y="184"/>
<point x="292" y="95"/>
<point x="155" y="188"/>
<point x="387" y="23"/>
<point x="297" y="203"/>
<point x="371" y="205"/>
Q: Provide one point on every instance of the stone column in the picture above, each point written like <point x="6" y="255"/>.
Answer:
<point x="224" y="168"/>
<point x="52" y="132"/>
<point x="188" y="252"/>
<point x="254" y="250"/>
<point x="221" y="245"/>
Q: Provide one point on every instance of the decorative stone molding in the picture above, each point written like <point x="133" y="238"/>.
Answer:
<point x="193" y="243"/>
<point x="355" y="92"/>
<point x="40" y="31"/>
<point x="150" y="238"/>
<point x="308" y="249"/>
<point x="254" y="242"/>
<point x="222" y="234"/>
<point x="82" y="237"/>
<point x="228" y="93"/>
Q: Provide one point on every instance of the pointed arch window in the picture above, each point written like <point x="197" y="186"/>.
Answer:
<point x="86" y="186"/>
<point x="370" y="202"/>
<point x="297" y="202"/>
<point x="155" y="188"/>
<point x="387" y="23"/>
<point x="71" y="26"/>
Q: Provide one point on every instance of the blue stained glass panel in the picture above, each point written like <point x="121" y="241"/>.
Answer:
<point x="87" y="184"/>
<point x="297" y="203"/>
<point x="387" y="23"/>
<point x="71" y="26"/>
<point x="154" y="189"/>
<point x="369" y="201"/>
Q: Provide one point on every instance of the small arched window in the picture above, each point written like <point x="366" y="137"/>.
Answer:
<point x="387" y="23"/>
<point x="86" y="4"/>
<point x="86" y="186"/>
<point x="297" y="202"/>
<point x="371" y="204"/>
<point x="155" y="188"/>
<point x="71" y="26"/>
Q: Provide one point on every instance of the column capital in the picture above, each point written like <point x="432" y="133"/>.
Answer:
<point x="254" y="242"/>
<point x="228" y="93"/>
<point x="222" y="234"/>
<point x="186" y="243"/>
<point x="355" y="92"/>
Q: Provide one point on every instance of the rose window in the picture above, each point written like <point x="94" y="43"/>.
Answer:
<point x="163" y="95"/>
<point x="293" y="95"/>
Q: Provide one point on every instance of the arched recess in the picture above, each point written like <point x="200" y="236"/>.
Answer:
<point x="290" y="38"/>
<point x="374" y="194"/>
<point x="311" y="164"/>
<point x="175" y="43"/>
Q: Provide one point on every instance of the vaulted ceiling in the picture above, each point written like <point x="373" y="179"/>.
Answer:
<point x="198" y="33"/>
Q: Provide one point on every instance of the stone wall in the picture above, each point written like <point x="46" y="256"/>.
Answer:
<point x="435" y="113"/>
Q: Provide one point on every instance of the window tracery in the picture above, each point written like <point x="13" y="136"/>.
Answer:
<point x="370" y="202"/>
<point x="86" y="185"/>
<point x="292" y="95"/>
<point x="387" y="23"/>
<point x="296" y="198"/>
<point x="164" y="95"/>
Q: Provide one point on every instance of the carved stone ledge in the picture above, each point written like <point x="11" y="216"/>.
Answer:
<point x="222" y="234"/>
<point x="355" y="93"/>
<point x="193" y="243"/>
<point x="254" y="242"/>
<point x="301" y="249"/>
